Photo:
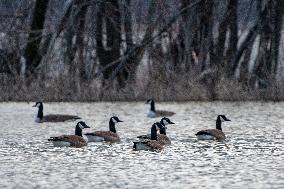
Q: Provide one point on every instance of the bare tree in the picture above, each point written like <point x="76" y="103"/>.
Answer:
<point x="32" y="50"/>
<point x="204" y="43"/>
<point x="109" y="20"/>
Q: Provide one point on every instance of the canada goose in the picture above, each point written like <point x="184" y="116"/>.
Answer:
<point x="107" y="136"/>
<point x="162" y="137"/>
<point x="150" y="144"/>
<point x="214" y="134"/>
<point x="156" y="113"/>
<point x="76" y="140"/>
<point x="52" y="117"/>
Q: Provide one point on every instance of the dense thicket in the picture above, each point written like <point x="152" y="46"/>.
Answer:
<point x="135" y="49"/>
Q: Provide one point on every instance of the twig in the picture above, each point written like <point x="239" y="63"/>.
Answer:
<point x="146" y="42"/>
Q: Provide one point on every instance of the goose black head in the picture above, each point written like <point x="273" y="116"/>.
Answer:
<point x="82" y="125"/>
<point x="152" y="104"/>
<point x="220" y="119"/>
<point x="79" y="127"/>
<point x="38" y="104"/>
<point x="149" y="101"/>
<point x="166" y="121"/>
<point x="115" y="119"/>
<point x="39" y="116"/>
<point x="160" y="126"/>
<point x="223" y="118"/>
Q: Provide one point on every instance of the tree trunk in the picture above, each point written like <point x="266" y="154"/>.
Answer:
<point x="74" y="53"/>
<point x="109" y="16"/>
<point x="128" y="25"/>
<point x="233" y="40"/>
<point x="267" y="55"/>
<point x="277" y="18"/>
<point x="205" y="41"/>
<point x="229" y="24"/>
<point x="188" y="29"/>
<point x="32" y="50"/>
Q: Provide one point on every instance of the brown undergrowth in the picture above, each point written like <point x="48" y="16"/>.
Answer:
<point x="162" y="89"/>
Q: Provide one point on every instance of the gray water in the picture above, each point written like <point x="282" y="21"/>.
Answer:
<point x="251" y="157"/>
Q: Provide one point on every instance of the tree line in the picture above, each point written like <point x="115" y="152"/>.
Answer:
<point x="109" y="41"/>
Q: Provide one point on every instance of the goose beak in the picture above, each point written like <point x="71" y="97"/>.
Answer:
<point x="86" y="126"/>
<point x="148" y="102"/>
<point x="119" y="121"/>
<point x="171" y="123"/>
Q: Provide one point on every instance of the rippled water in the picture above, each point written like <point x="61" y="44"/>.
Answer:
<point x="251" y="157"/>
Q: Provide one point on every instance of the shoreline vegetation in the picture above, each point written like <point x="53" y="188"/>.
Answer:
<point x="176" y="90"/>
<point x="132" y="50"/>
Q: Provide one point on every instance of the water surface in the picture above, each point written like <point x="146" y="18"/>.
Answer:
<point x="251" y="157"/>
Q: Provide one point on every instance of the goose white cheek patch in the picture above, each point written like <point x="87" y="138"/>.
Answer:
<point x="113" y="120"/>
<point x="222" y="119"/>
<point x="81" y="126"/>
<point x="165" y="122"/>
<point x="149" y="102"/>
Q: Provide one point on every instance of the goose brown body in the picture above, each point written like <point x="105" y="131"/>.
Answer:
<point x="52" y="117"/>
<point x="152" y="143"/>
<point x="215" y="134"/>
<point x="107" y="136"/>
<point x="76" y="140"/>
<point x="58" y="118"/>
<point x="157" y="113"/>
<point x="162" y="113"/>
<point x="162" y="137"/>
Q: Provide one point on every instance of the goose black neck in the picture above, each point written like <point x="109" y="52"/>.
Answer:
<point x="218" y="124"/>
<point x="78" y="131"/>
<point x="153" y="133"/>
<point x="163" y="131"/>
<point x="40" y="112"/>
<point x="112" y="126"/>
<point x="153" y="106"/>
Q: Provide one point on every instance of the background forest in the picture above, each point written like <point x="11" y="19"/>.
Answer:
<point x="90" y="50"/>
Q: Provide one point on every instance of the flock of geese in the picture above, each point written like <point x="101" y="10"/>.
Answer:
<point x="152" y="141"/>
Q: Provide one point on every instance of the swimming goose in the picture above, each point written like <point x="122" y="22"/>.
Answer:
<point x="52" y="117"/>
<point x="76" y="140"/>
<point x="107" y="136"/>
<point x="162" y="137"/>
<point x="213" y="134"/>
<point x="150" y="144"/>
<point x="156" y="113"/>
